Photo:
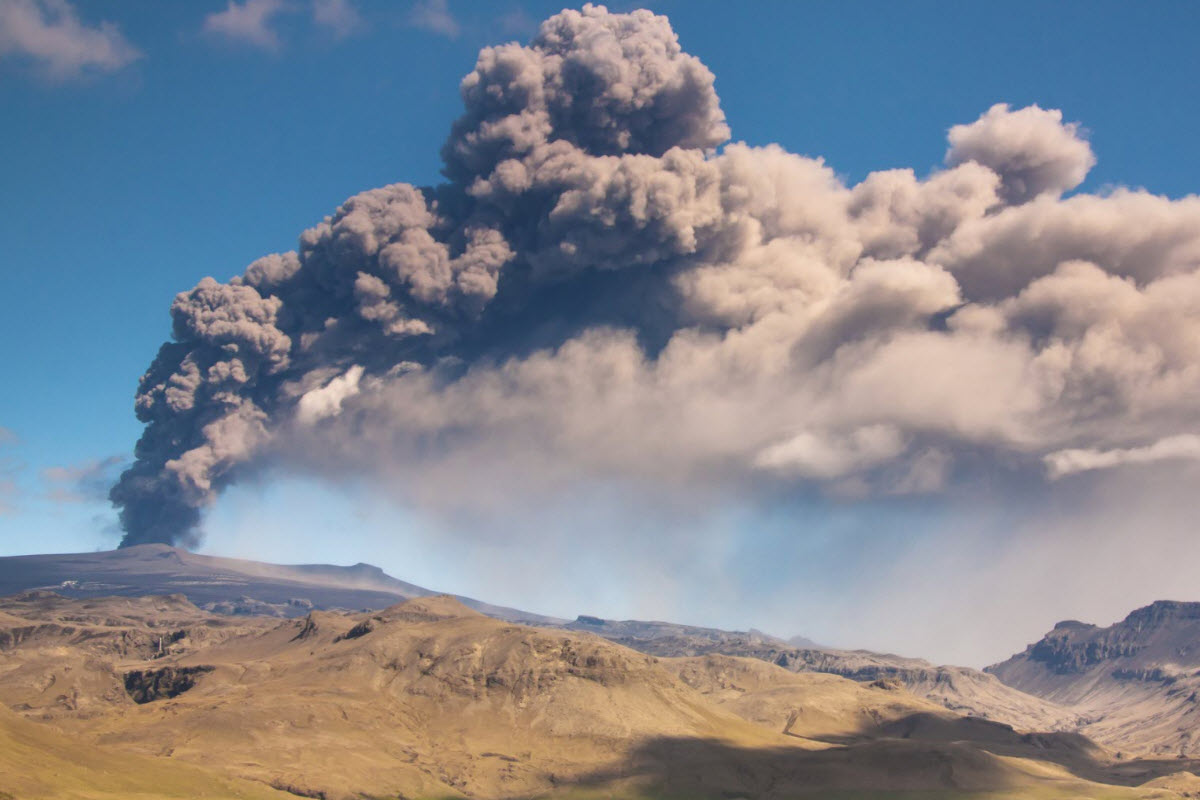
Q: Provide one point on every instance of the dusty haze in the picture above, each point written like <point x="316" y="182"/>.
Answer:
<point x="611" y="302"/>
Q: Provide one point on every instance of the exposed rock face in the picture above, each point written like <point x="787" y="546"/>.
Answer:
<point x="309" y="628"/>
<point x="1074" y="647"/>
<point x="1160" y="639"/>
<point x="1135" y="682"/>
<point x="361" y="629"/>
<point x="146" y="686"/>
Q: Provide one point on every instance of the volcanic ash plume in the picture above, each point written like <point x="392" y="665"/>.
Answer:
<point x="606" y="289"/>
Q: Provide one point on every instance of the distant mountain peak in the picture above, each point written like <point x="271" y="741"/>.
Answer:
<point x="1137" y="680"/>
<point x="363" y="568"/>
<point x="1073" y="625"/>
<point x="1161" y="611"/>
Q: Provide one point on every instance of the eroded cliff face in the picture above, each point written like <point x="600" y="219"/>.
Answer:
<point x="1135" y="683"/>
<point x="1163" y="634"/>
<point x="148" y="685"/>
<point x="1074" y="647"/>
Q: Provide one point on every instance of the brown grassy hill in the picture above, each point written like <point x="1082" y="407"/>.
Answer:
<point x="37" y="761"/>
<point x="1185" y="784"/>
<point x="69" y="650"/>
<point x="832" y="709"/>
<point x="240" y="587"/>
<point x="809" y="705"/>
<point x="959" y="689"/>
<point x="429" y="699"/>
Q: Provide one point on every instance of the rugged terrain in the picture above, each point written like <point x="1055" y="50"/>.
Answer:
<point x="1135" y="684"/>
<point x="960" y="689"/>
<point x="239" y="587"/>
<point x="345" y="682"/>
<point x="430" y="699"/>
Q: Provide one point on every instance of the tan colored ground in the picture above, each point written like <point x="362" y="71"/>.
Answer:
<point x="428" y="699"/>
<point x="39" y="761"/>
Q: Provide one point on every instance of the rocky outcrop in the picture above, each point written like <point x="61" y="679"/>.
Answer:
<point x="146" y="686"/>
<point x="1134" y="682"/>
<point x="361" y="629"/>
<point x="1066" y="654"/>
<point x="1164" y="634"/>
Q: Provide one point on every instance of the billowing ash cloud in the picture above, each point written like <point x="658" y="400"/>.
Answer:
<point x="1031" y="150"/>
<point x="607" y="290"/>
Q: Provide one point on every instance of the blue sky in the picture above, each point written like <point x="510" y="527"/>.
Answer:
<point x="124" y="186"/>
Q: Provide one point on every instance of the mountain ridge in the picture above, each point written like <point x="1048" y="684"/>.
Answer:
<point x="228" y="585"/>
<point x="429" y="698"/>
<point x="1135" y="682"/>
<point x="238" y="587"/>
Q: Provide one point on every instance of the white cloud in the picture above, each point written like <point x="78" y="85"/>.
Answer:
<point x="434" y="16"/>
<point x="326" y="401"/>
<point x="820" y="456"/>
<point x="248" y="22"/>
<point x="1185" y="446"/>
<point x="1031" y="149"/>
<point x="50" y="33"/>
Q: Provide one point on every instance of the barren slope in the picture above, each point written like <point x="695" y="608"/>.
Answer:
<point x="959" y="689"/>
<point x="224" y="585"/>
<point x="38" y="761"/>
<point x="429" y="699"/>
<point x="238" y="587"/>
<point x="1136" y="683"/>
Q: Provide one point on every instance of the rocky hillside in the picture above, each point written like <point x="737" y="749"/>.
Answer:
<point x="671" y="639"/>
<point x="244" y="589"/>
<point x="429" y="699"/>
<point x="1136" y="683"/>
<point x="959" y="689"/>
